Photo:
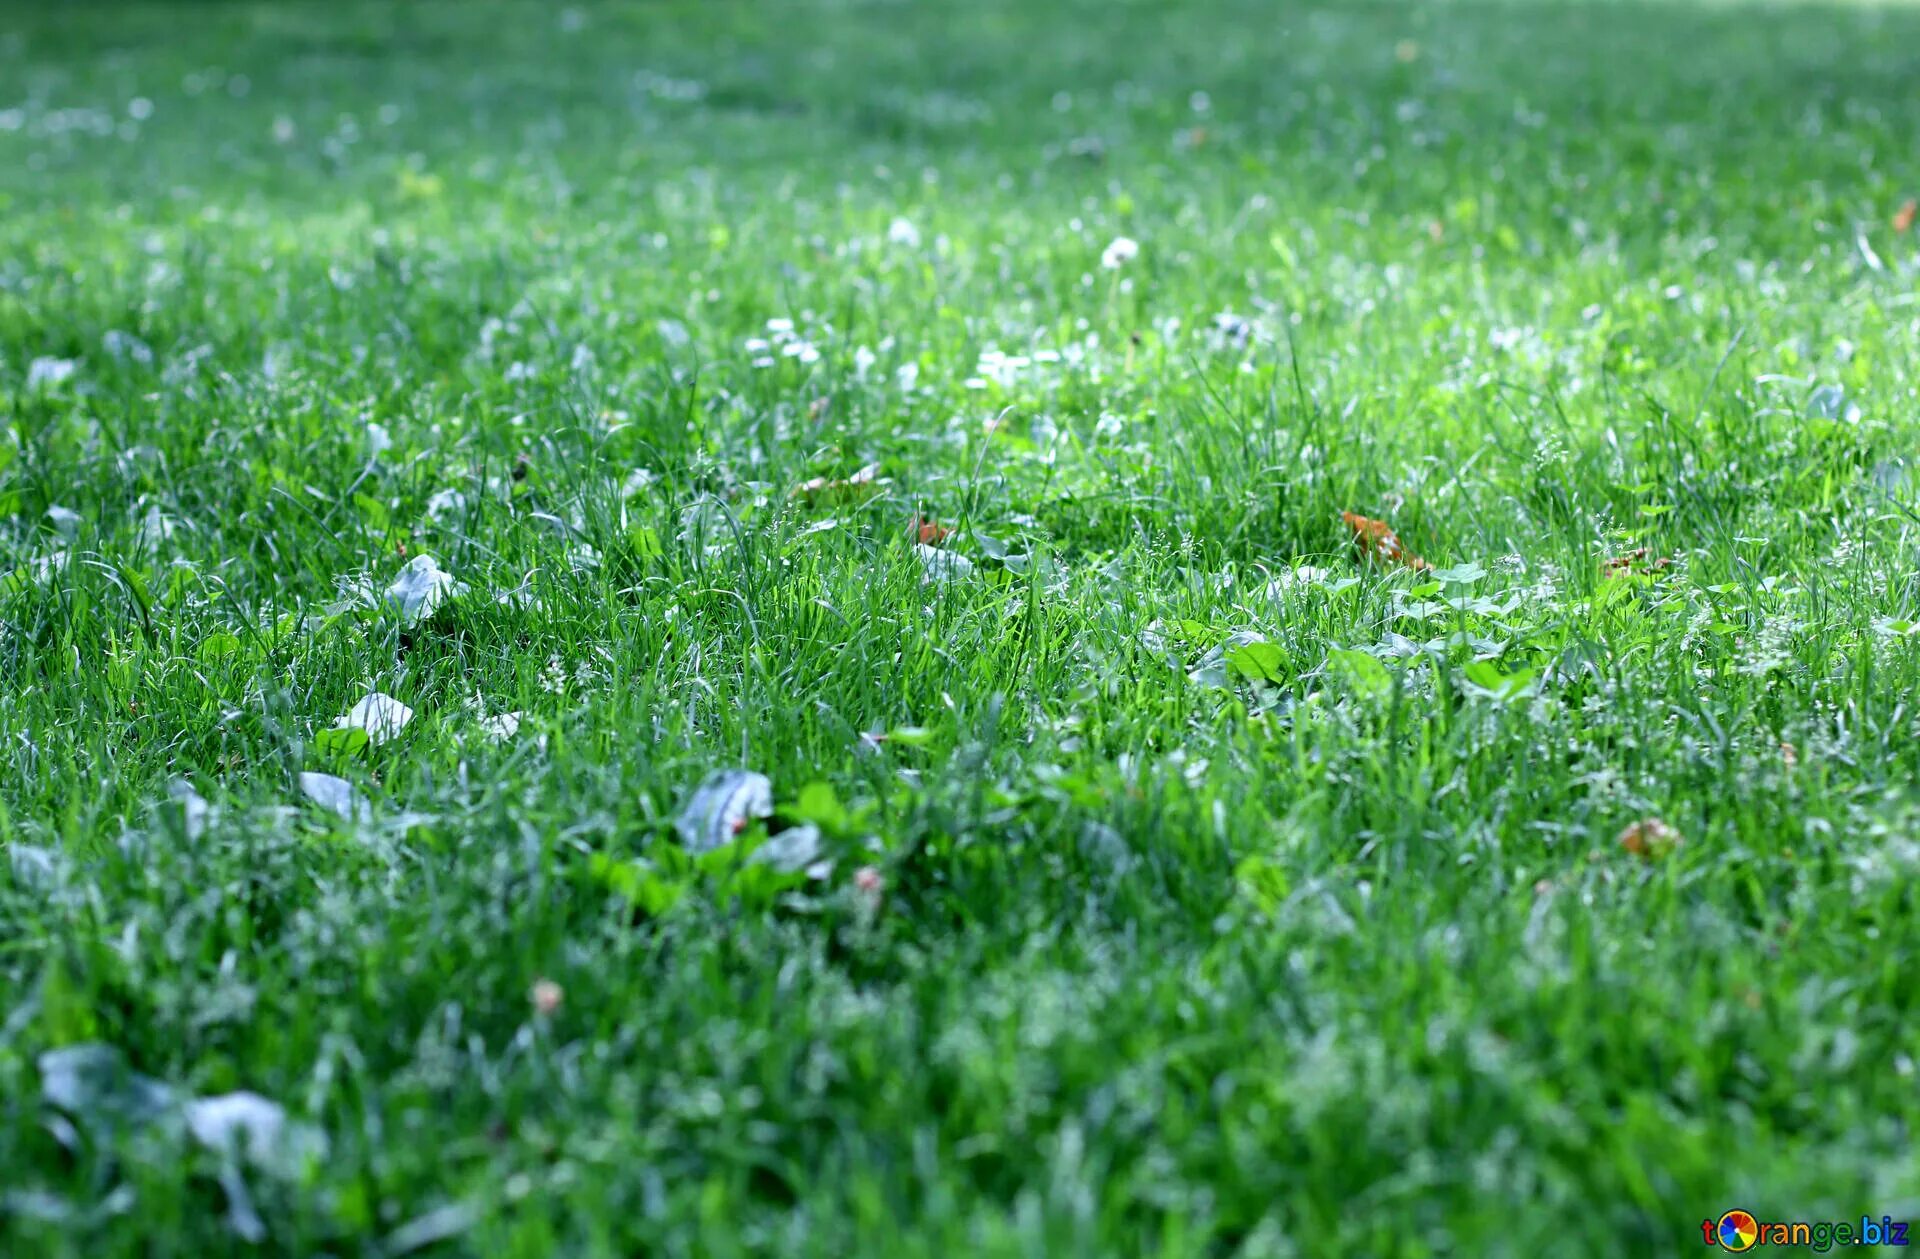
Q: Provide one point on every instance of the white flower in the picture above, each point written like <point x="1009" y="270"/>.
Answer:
<point x="1123" y="250"/>
<point x="1230" y="330"/>
<point x="902" y="232"/>
<point x="379" y="714"/>
<point x="999" y="367"/>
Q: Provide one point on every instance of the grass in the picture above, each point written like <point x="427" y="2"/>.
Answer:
<point x="1180" y="902"/>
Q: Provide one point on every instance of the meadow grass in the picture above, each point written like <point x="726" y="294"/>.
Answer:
<point x="1158" y="874"/>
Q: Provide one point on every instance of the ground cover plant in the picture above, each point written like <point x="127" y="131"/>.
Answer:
<point x="924" y="629"/>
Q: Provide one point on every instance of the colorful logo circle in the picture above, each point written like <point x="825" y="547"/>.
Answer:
<point x="1737" y="1231"/>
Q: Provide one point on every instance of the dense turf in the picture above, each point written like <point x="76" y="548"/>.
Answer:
<point x="1198" y="886"/>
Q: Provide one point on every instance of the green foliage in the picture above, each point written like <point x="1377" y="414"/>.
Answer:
<point x="1143" y="871"/>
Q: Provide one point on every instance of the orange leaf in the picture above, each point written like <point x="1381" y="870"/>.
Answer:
<point x="1649" y="838"/>
<point x="928" y="533"/>
<point x="1377" y="541"/>
<point x="1903" y="217"/>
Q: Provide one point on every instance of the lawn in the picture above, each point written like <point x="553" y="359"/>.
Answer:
<point x="447" y="450"/>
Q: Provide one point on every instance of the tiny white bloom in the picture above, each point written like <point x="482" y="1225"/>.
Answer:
<point x="379" y="714"/>
<point x="379" y="440"/>
<point x="902" y="232"/>
<point x="1123" y="250"/>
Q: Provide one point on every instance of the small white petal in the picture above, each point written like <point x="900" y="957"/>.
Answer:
<point x="446" y="503"/>
<point x="380" y="715"/>
<point x="791" y="850"/>
<point x="501" y="728"/>
<point x="193" y="807"/>
<point x="65" y="521"/>
<point x="45" y="373"/>
<point x="721" y="807"/>
<point x="253" y="1128"/>
<point x="942" y="565"/>
<point x="335" y="794"/>
<point x="420" y="587"/>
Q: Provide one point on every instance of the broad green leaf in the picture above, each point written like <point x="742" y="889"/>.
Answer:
<point x="1365" y="674"/>
<point x="1261" y="662"/>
